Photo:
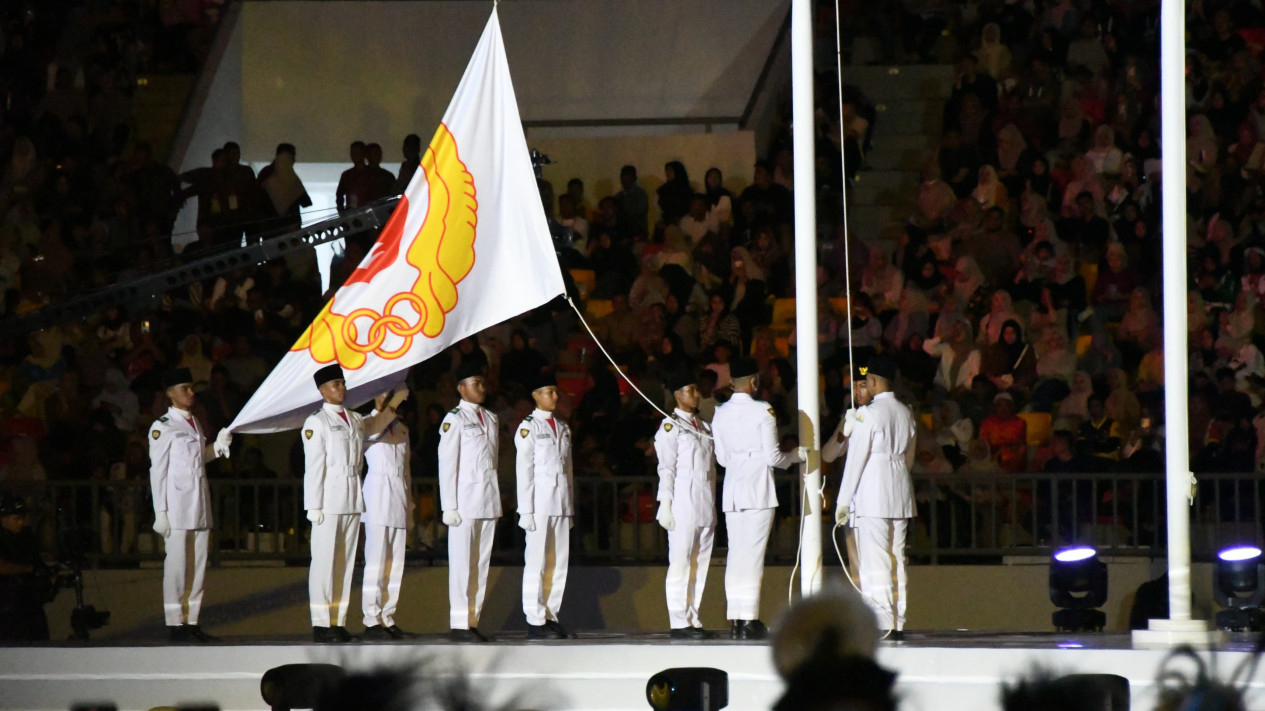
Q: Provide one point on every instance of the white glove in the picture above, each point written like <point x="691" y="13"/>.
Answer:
<point x="527" y="522"/>
<point x="841" y="516"/>
<point x="802" y="453"/>
<point x="665" y="517"/>
<point x="162" y="525"/>
<point x="849" y="421"/>
<point x="316" y="516"/>
<point x="452" y="518"/>
<point x="223" y="443"/>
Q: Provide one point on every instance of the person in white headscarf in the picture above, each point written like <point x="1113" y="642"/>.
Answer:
<point x="994" y="57"/>
<point x="284" y="188"/>
<point x="119" y="400"/>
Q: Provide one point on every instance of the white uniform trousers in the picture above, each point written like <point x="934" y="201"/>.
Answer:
<point x="881" y="545"/>
<point x="689" y="555"/>
<point x="333" y="560"/>
<point x="184" y="569"/>
<point x="384" y="569"/>
<point x="744" y="568"/>
<point x="469" y="553"/>
<point x="545" y="568"/>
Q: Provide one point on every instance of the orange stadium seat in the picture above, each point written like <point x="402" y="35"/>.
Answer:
<point x="597" y="308"/>
<point x="585" y="280"/>
<point x="783" y="315"/>
<point x="1040" y="427"/>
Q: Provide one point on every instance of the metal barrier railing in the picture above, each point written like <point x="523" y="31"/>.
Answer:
<point x="960" y="518"/>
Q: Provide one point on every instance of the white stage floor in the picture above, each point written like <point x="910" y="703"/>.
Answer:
<point x="938" y="671"/>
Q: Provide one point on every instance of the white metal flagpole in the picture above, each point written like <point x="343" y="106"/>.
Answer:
<point x="802" y="125"/>
<point x="1179" y="628"/>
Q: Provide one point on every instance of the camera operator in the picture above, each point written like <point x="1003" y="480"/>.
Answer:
<point x="25" y="582"/>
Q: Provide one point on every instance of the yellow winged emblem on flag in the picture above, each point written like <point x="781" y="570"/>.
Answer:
<point x="442" y="251"/>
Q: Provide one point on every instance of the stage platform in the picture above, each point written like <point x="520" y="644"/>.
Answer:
<point x="940" y="671"/>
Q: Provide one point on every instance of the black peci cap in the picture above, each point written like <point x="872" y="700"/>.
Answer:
<point x="882" y="366"/>
<point x="680" y="378"/>
<point x="178" y="376"/>
<point x="330" y="372"/>
<point x="743" y="368"/>
<point x="469" y="368"/>
<point x="544" y="380"/>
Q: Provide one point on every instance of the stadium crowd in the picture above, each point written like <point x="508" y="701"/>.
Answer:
<point x="1021" y="298"/>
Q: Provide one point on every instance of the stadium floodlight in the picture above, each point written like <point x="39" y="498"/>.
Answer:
<point x="1238" y="577"/>
<point x="1078" y="586"/>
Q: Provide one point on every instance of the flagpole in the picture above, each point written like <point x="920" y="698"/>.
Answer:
<point x="1179" y="628"/>
<point x="802" y="124"/>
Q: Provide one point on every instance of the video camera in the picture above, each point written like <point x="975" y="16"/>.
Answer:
<point x="72" y="555"/>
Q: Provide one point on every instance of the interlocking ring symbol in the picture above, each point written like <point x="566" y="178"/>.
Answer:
<point x="383" y="324"/>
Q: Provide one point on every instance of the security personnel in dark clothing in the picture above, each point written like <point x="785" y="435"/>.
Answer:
<point x="24" y="579"/>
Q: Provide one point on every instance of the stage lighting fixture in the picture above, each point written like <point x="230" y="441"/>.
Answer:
<point x="688" y="689"/>
<point x="1078" y="585"/>
<point x="1238" y="577"/>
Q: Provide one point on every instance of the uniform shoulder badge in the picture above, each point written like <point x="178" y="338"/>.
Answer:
<point x="455" y="410"/>
<point x="156" y="434"/>
<point x="527" y="419"/>
<point x="524" y="432"/>
<point x="162" y="419"/>
<point x="667" y="426"/>
<point x="771" y="412"/>
<point x="446" y="427"/>
<point x="307" y="434"/>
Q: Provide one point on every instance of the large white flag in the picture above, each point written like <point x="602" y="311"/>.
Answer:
<point x="468" y="247"/>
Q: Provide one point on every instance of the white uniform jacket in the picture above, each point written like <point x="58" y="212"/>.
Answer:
<point x="468" y="452"/>
<point x="333" y="451"/>
<point x="746" y="446"/>
<point x="177" y="471"/>
<point x="880" y="453"/>
<point x="543" y="466"/>
<point x="388" y="485"/>
<point x="687" y="467"/>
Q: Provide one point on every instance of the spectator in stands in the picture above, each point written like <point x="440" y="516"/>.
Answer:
<point x="1010" y="362"/>
<point x="1100" y="434"/>
<point x="719" y="201"/>
<point x="286" y="194"/>
<point x="633" y="205"/>
<point x="719" y="325"/>
<point x="955" y="349"/>
<point x="745" y="292"/>
<point x="769" y="201"/>
<point x="355" y="187"/>
<point x="1006" y="434"/>
<point x="412" y="151"/>
<point x="675" y="194"/>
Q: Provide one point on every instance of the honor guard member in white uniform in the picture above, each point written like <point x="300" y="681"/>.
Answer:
<point x="182" y="504"/>
<point x="687" y="504"/>
<point x="837" y="446"/>
<point x="546" y="506"/>
<point x="877" y="494"/>
<point x="745" y="431"/>
<point x="469" y="445"/>
<point x="388" y="491"/>
<point x="333" y="450"/>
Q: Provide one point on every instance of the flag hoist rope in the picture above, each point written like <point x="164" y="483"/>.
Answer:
<point x="847" y="269"/>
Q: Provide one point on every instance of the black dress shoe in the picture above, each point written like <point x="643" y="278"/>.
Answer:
<point x="326" y="635"/>
<point x="559" y="629"/>
<point x="344" y="636"/>
<point x="483" y="636"/>
<point x="748" y="629"/>
<point x="178" y="634"/>
<point x="397" y="633"/>
<point x="542" y="632"/>
<point x="456" y="635"/>
<point x="892" y="635"/>
<point x="196" y="634"/>
<point x="378" y="633"/>
<point x="688" y="633"/>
